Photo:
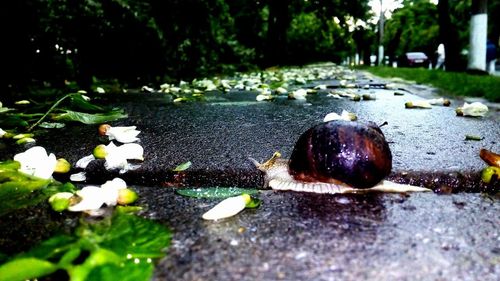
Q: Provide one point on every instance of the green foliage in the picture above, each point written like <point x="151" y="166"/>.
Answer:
<point x="415" y="26"/>
<point x="120" y="247"/>
<point x="18" y="190"/>
<point x="87" y="118"/>
<point x="412" y="28"/>
<point x="142" y="42"/>
<point x="60" y="110"/>
<point x="450" y="83"/>
<point x="308" y="34"/>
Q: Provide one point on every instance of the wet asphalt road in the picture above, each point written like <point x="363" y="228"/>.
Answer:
<point x="302" y="236"/>
<point x="452" y="234"/>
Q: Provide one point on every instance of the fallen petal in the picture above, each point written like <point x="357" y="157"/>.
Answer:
<point x="227" y="207"/>
<point x="347" y="116"/>
<point x="475" y="109"/>
<point x="78" y="177"/>
<point x="84" y="162"/>
<point x="131" y="151"/>
<point x="91" y="199"/>
<point x="36" y="162"/>
<point x="123" y="134"/>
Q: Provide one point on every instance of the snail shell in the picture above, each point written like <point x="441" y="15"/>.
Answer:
<point x="332" y="157"/>
<point x="350" y="152"/>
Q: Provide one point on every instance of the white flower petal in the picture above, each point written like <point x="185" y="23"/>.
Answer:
<point x="36" y="162"/>
<point x="110" y="148"/>
<point x="281" y="90"/>
<point x="347" y="116"/>
<point x="131" y="151"/>
<point x="115" y="161"/>
<point x="263" y="97"/>
<point x="123" y="134"/>
<point x="299" y="94"/>
<point x="2" y="132"/>
<point x="78" y="177"/>
<point x="227" y="207"/>
<point x="117" y="156"/>
<point x="129" y="167"/>
<point x="116" y="183"/>
<point x="109" y="196"/>
<point x="91" y="199"/>
<point x="84" y="162"/>
<point x="475" y="109"/>
<point x="46" y="169"/>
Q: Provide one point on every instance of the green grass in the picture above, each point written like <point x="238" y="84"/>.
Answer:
<point x="449" y="83"/>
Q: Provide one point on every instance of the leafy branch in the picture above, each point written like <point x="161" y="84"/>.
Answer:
<point x="54" y="106"/>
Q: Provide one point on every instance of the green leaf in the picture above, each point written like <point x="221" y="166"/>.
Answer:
<point x="79" y="102"/>
<point x="12" y="121"/>
<point x="129" y="271"/>
<point x="120" y="247"/>
<point x="9" y="165"/>
<point x="25" y="268"/>
<point x="54" y="248"/>
<point x="18" y="190"/>
<point x="21" y="192"/>
<point x="215" y="192"/>
<point x="133" y="236"/>
<point x="97" y="258"/>
<point x="182" y="167"/>
<point x="87" y="118"/>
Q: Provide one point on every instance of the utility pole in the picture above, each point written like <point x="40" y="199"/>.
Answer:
<point x="478" y="35"/>
<point x="381" y="34"/>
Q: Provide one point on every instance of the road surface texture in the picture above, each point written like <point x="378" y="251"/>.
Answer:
<point x="452" y="233"/>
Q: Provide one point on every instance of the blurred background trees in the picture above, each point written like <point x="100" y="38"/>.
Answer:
<point x="421" y="26"/>
<point x="136" y="42"/>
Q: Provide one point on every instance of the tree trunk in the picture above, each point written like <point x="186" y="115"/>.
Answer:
<point x="276" y="33"/>
<point x="478" y="35"/>
<point x="449" y="37"/>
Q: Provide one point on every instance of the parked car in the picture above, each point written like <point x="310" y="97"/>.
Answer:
<point x="413" y="59"/>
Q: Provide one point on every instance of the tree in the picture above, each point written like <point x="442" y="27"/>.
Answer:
<point x="414" y="27"/>
<point x="278" y="23"/>
<point x="478" y="35"/>
<point x="448" y="34"/>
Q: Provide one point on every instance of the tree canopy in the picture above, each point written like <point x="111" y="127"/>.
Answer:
<point x="419" y="26"/>
<point x="141" y="41"/>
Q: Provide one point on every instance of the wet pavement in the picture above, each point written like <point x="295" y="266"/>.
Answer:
<point x="452" y="234"/>
<point x="218" y="136"/>
<point x="302" y="236"/>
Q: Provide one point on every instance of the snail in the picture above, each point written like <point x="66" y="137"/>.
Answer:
<point x="335" y="157"/>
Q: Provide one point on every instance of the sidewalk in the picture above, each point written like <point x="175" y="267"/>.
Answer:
<point x="447" y="235"/>
<point x="218" y="136"/>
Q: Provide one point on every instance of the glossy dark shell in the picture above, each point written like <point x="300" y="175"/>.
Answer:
<point x="350" y="152"/>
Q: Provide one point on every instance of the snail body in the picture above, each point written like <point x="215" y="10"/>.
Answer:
<point x="333" y="157"/>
